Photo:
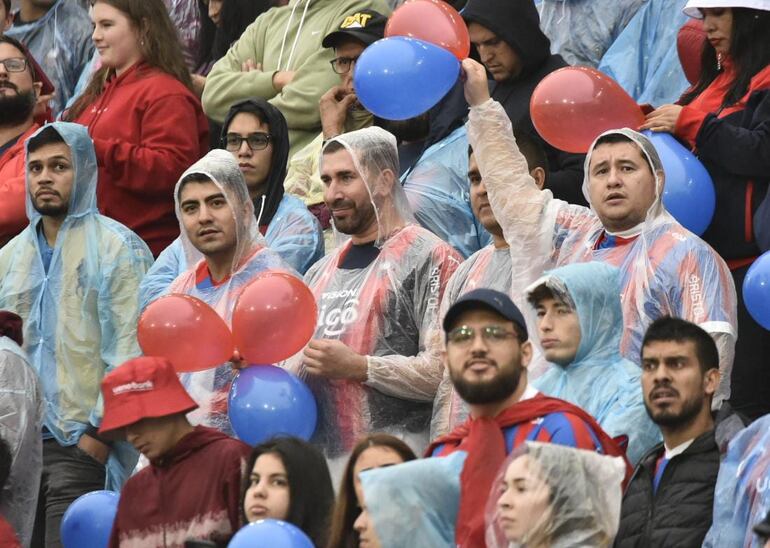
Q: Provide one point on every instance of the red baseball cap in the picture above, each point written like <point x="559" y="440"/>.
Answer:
<point x="142" y="388"/>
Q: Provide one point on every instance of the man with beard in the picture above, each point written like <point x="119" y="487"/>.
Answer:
<point x="487" y="354"/>
<point x="369" y="363"/>
<point x="72" y="276"/>
<point x="18" y="93"/>
<point x="670" y="498"/>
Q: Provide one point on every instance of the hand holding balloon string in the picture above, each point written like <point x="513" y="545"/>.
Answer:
<point x="662" y="119"/>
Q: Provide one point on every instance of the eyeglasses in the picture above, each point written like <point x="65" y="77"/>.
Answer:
<point x="256" y="141"/>
<point x="14" y="64"/>
<point x="342" y="65"/>
<point x="464" y="334"/>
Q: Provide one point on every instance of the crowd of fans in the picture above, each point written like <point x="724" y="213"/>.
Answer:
<point x="574" y="366"/>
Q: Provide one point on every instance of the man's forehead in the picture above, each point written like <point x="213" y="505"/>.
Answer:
<point x="199" y="190"/>
<point x="50" y="150"/>
<point x="480" y="33"/>
<point x="664" y="349"/>
<point x="339" y="160"/>
<point x="349" y="47"/>
<point x="8" y="51"/>
<point x="625" y="150"/>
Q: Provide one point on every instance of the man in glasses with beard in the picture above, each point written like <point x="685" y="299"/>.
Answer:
<point x="487" y="354"/>
<point x="20" y="87"/>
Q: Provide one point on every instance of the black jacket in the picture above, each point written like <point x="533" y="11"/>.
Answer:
<point x="735" y="150"/>
<point x="518" y="24"/>
<point x="679" y="514"/>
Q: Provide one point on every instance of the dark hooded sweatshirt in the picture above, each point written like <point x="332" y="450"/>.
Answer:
<point x="279" y="137"/>
<point x="192" y="492"/>
<point x="518" y="24"/>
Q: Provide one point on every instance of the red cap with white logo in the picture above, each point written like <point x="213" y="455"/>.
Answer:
<point x="142" y="388"/>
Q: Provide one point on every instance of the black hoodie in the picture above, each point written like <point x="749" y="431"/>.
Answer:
<point x="518" y="24"/>
<point x="279" y="135"/>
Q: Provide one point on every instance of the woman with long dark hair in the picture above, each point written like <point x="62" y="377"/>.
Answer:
<point x="289" y="480"/>
<point x="373" y="451"/>
<point x="725" y="119"/>
<point x="146" y="123"/>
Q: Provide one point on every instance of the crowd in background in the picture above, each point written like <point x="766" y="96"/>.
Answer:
<point x="574" y="366"/>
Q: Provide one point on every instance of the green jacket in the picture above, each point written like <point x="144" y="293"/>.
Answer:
<point x="261" y="42"/>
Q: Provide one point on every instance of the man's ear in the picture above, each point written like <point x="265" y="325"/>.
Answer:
<point x="711" y="381"/>
<point x="538" y="174"/>
<point x="662" y="176"/>
<point x="526" y="354"/>
<point x="37" y="87"/>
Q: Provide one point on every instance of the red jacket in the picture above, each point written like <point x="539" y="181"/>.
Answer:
<point x="13" y="215"/>
<point x="147" y="129"/>
<point x="193" y="492"/>
<point x="8" y="537"/>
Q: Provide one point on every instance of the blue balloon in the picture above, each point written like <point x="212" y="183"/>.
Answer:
<point x="267" y="401"/>
<point x="87" y="523"/>
<point x="756" y="290"/>
<point x="689" y="191"/>
<point x="270" y="532"/>
<point x="398" y="78"/>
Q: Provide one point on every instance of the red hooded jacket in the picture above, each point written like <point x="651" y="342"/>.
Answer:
<point x="13" y="215"/>
<point x="147" y="129"/>
<point x="193" y="492"/>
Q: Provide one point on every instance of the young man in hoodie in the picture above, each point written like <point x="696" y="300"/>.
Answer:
<point x="191" y="489"/>
<point x="580" y="324"/>
<point x="255" y="134"/>
<point x="280" y="58"/>
<point x="72" y="276"/>
<point x="665" y="270"/>
<point x="516" y="53"/>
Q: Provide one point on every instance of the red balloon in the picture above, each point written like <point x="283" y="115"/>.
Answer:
<point x="433" y="21"/>
<point x="572" y="106"/>
<point x="186" y="331"/>
<point x="274" y="317"/>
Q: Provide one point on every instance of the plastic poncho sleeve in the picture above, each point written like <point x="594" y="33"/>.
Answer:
<point x="580" y="30"/>
<point x="21" y="413"/>
<point x="118" y="309"/>
<point x="169" y="138"/>
<point x="643" y="59"/>
<point x="527" y="215"/>
<point x="417" y="377"/>
<point x="295" y="234"/>
<point x="742" y="491"/>
<point x="302" y="177"/>
<point x="169" y="264"/>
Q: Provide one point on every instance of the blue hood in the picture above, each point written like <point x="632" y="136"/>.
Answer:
<point x="83" y="197"/>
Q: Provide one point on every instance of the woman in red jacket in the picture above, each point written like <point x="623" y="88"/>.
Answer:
<point x="725" y="119"/>
<point x="146" y="123"/>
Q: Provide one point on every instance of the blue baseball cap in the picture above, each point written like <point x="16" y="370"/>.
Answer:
<point x="490" y="299"/>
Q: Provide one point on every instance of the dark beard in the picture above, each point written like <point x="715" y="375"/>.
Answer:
<point x="690" y="409"/>
<point x="49" y="210"/>
<point x="16" y="109"/>
<point x="358" y="221"/>
<point x="498" y="389"/>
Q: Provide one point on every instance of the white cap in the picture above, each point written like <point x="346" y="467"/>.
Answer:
<point x="692" y="9"/>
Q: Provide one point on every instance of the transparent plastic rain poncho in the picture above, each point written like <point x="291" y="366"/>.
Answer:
<point x="438" y="193"/>
<point x="742" y="492"/>
<point x="80" y="317"/>
<point x="599" y="379"/>
<point x="489" y="268"/>
<point x="209" y="388"/>
<point x="415" y="503"/>
<point x="386" y="311"/>
<point x="293" y="234"/>
<point x="583" y="492"/>
<point x="643" y="59"/>
<point x="60" y="41"/>
<point x="665" y="270"/>
<point x="21" y="415"/>
<point x="582" y="30"/>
